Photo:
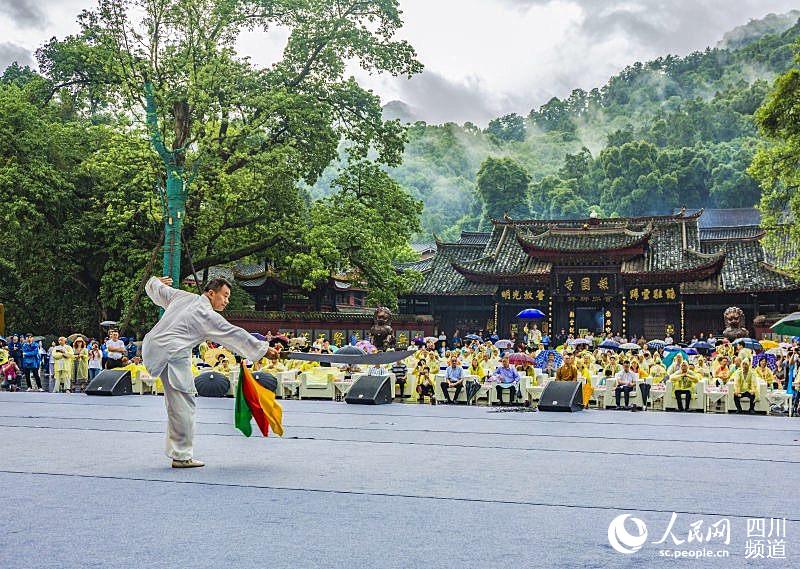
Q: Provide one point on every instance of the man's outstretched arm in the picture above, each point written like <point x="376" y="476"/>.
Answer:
<point x="160" y="291"/>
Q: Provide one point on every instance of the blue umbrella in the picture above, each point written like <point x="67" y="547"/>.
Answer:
<point x="702" y="347"/>
<point x="609" y="345"/>
<point x="541" y="359"/>
<point x="656" y="344"/>
<point x="672" y="348"/>
<point x="748" y="343"/>
<point x="473" y="337"/>
<point x="691" y="351"/>
<point x="531" y="314"/>
<point x="494" y="337"/>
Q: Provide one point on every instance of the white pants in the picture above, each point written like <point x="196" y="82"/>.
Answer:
<point x="181" y="408"/>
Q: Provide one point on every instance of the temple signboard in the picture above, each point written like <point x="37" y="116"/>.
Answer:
<point x="586" y="284"/>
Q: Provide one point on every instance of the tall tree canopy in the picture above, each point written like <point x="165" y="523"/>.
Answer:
<point x="231" y="144"/>
<point x="503" y="188"/>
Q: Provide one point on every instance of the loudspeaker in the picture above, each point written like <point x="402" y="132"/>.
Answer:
<point x="561" y="396"/>
<point x="370" y="390"/>
<point x="111" y="382"/>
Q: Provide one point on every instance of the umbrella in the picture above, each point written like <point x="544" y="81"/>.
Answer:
<point x="258" y="336"/>
<point x="609" y="345"/>
<point x="629" y="346"/>
<point x="672" y="348"/>
<point x="667" y="361"/>
<point x="494" y="337"/>
<point x="541" y="359"/>
<point x="702" y="347"/>
<point x="748" y="343"/>
<point x="691" y="351"/>
<point x="656" y="344"/>
<point x="579" y="341"/>
<point x="765" y="356"/>
<point x="788" y="325"/>
<point x="212" y="384"/>
<point x="520" y="358"/>
<point x="350" y="351"/>
<point x="211" y="356"/>
<point x="767" y="344"/>
<point x="108" y="323"/>
<point x="473" y="337"/>
<point x="266" y="380"/>
<point x="531" y="314"/>
<point x="73" y="337"/>
<point x="429" y="339"/>
<point x="503" y="344"/>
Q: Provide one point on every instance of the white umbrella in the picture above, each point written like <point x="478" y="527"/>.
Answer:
<point x="629" y="346"/>
<point x="107" y="323"/>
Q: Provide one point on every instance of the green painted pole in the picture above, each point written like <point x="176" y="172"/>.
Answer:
<point x="173" y="223"/>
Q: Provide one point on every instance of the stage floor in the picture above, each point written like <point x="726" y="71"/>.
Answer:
<point x="84" y="483"/>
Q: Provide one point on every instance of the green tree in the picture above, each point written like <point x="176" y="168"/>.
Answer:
<point x="775" y="164"/>
<point x="507" y="128"/>
<point x="214" y="118"/>
<point x="503" y="188"/>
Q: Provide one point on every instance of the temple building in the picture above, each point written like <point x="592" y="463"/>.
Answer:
<point x="651" y="276"/>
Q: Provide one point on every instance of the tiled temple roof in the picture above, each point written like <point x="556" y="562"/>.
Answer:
<point x="657" y="249"/>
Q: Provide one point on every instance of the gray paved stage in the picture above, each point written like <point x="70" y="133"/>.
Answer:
<point x="84" y="483"/>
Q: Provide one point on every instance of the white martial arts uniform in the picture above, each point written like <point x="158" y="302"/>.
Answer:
<point x="167" y="352"/>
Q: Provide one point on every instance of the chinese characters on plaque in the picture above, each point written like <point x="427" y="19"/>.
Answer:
<point x="649" y="294"/>
<point x="583" y="285"/>
<point x="513" y="294"/>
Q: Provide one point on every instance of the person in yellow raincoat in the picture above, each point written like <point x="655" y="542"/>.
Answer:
<point x="765" y="374"/>
<point x="80" y="363"/>
<point x="657" y="371"/>
<point x="135" y="368"/>
<point x="62" y="367"/>
<point x="586" y="377"/>
<point x="683" y="383"/>
<point x="745" y="384"/>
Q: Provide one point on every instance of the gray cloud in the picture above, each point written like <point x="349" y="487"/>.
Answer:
<point x="26" y="13"/>
<point x="10" y="52"/>
<point x="434" y="98"/>
<point x="666" y="27"/>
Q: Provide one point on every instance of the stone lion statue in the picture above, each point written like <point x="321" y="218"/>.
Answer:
<point x="381" y="331"/>
<point x="734" y="324"/>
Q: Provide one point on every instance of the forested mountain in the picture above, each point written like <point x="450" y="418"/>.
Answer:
<point x="676" y="131"/>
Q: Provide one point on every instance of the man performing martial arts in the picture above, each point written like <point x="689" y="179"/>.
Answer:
<point x="188" y="320"/>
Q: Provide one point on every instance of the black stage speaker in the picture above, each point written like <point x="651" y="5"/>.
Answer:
<point x="111" y="382"/>
<point x="561" y="396"/>
<point x="370" y="390"/>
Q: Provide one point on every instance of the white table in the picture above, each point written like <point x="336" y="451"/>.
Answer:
<point x="658" y="392"/>
<point x="779" y="397"/>
<point x="715" y="394"/>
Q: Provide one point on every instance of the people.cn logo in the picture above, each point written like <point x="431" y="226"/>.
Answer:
<point x="623" y="541"/>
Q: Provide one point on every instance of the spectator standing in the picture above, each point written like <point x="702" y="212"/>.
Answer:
<point x="116" y="350"/>
<point x="95" y="360"/>
<point x="80" y="364"/>
<point x="63" y="355"/>
<point x="31" y="362"/>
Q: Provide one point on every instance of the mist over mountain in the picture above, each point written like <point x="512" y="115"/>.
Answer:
<point x="671" y="132"/>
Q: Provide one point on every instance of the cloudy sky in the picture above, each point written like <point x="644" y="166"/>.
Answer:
<point x="483" y="58"/>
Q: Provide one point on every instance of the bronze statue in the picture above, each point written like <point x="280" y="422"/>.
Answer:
<point x="734" y="324"/>
<point x="381" y="331"/>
